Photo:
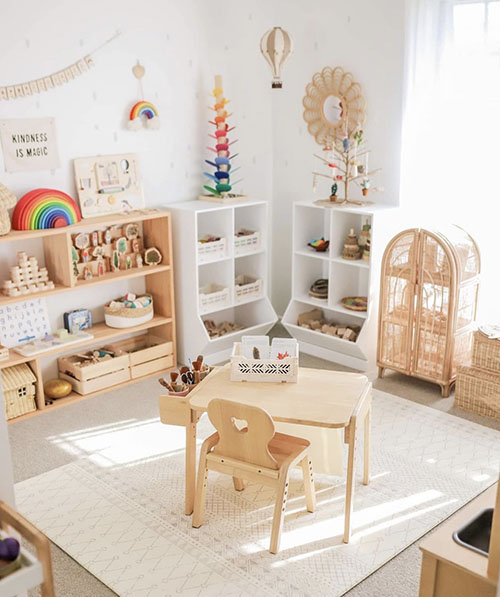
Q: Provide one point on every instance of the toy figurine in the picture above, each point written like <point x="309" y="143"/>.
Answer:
<point x="351" y="250"/>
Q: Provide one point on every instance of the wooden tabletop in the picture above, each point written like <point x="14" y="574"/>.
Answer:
<point x="442" y="546"/>
<point x="319" y="398"/>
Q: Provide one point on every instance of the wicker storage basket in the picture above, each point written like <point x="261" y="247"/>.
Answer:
<point x="19" y="390"/>
<point x="478" y="391"/>
<point x="486" y="352"/>
<point x="126" y="317"/>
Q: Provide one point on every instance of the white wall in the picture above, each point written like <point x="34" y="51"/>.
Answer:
<point x="182" y="45"/>
<point x="365" y="38"/>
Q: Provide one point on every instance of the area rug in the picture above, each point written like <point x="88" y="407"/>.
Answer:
<point x="118" y="509"/>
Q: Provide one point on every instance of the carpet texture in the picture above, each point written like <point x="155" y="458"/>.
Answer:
<point x="118" y="512"/>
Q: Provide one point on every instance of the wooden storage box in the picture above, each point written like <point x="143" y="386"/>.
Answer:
<point x="486" y="352"/>
<point x="95" y="376"/>
<point x="270" y="370"/>
<point x="18" y="384"/>
<point x="478" y="391"/>
<point x="146" y="354"/>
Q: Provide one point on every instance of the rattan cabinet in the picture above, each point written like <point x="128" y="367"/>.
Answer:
<point x="428" y="294"/>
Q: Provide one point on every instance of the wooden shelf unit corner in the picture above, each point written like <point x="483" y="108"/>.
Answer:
<point x="159" y="282"/>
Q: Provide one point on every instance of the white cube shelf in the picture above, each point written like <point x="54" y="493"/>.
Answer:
<point x="251" y="310"/>
<point x="345" y="278"/>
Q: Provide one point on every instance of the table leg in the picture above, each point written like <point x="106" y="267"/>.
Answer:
<point x="366" y="456"/>
<point x="190" y="464"/>
<point x="349" y="491"/>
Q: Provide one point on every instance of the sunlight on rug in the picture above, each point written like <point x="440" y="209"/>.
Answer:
<point x="118" y="509"/>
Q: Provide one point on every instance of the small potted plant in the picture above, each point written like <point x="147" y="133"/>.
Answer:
<point x="333" y="194"/>
<point x="365" y="186"/>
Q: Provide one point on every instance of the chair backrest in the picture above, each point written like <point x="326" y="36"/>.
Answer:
<point x="244" y="432"/>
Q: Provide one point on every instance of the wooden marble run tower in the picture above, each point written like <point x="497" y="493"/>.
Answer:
<point x="222" y="164"/>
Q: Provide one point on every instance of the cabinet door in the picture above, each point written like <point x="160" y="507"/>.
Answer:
<point x="435" y="279"/>
<point x="397" y="302"/>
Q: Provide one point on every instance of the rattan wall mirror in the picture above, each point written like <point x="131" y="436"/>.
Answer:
<point x="334" y="105"/>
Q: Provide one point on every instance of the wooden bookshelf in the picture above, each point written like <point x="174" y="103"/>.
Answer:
<point x="159" y="282"/>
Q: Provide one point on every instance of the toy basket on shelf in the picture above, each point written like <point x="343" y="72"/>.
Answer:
<point x="263" y="370"/>
<point x="211" y="250"/>
<point x="246" y="243"/>
<point x="213" y="297"/>
<point x="247" y="287"/>
<point x="122" y="313"/>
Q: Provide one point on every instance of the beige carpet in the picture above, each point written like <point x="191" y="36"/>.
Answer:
<point x="117" y="510"/>
<point x="37" y="446"/>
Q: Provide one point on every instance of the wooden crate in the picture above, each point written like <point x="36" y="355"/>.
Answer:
<point x="96" y="376"/>
<point x="146" y="354"/>
<point x="478" y="391"/>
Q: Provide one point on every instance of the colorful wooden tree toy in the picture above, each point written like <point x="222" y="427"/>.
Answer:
<point x="222" y="163"/>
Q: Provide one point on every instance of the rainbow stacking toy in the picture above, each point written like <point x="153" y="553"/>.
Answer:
<point x="222" y="164"/>
<point x="45" y="208"/>
<point x="141" y="109"/>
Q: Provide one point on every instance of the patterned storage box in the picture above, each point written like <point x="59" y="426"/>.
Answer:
<point x="486" y="352"/>
<point x="273" y="370"/>
<point x="478" y="391"/>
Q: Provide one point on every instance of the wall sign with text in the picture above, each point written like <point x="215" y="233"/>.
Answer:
<point x="29" y="144"/>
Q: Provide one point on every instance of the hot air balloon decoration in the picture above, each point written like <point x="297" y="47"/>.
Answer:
<point x="276" y="45"/>
<point x="221" y="178"/>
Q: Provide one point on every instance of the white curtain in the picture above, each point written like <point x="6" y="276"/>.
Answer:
<point x="451" y="129"/>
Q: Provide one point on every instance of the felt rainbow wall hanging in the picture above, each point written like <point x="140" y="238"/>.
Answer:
<point x="143" y="112"/>
<point x="45" y="208"/>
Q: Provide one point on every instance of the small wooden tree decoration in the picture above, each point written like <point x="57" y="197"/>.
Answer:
<point x="347" y="160"/>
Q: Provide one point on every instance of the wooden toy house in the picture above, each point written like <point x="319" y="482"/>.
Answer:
<point x="19" y="390"/>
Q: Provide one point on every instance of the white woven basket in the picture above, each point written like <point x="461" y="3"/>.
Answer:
<point x="213" y="296"/>
<point x="247" y="288"/>
<point x="267" y="370"/>
<point x="249" y="243"/>
<point x="211" y="251"/>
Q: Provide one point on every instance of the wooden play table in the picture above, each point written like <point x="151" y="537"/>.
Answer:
<point x="320" y="398"/>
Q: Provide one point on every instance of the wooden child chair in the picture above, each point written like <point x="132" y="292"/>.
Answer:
<point x="246" y="446"/>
